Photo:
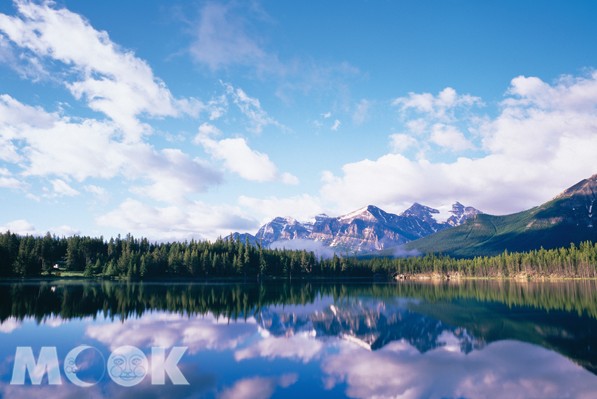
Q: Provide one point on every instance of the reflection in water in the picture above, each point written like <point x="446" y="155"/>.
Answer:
<point x="475" y="339"/>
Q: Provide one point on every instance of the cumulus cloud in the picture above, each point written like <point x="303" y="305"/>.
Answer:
<point x="47" y="144"/>
<point x="401" y="142"/>
<point x="449" y="137"/>
<point x="7" y="180"/>
<point x="533" y="149"/>
<point x="24" y="227"/>
<point x="60" y="188"/>
<point x="111" y="80"/>
<point x="441" y="106"/>
<point x="167" y="223"/>
<point x="20" y="226"/>
<point x="301" y="207"/>
<point x="239" y="158"/>
<point x="98" y="191"/>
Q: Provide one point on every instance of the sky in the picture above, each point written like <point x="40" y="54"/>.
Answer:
<point x="178" y="120"/>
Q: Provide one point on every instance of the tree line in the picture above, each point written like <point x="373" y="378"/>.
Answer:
<point x="123" y="300"/>
<point x="133" y="258"/>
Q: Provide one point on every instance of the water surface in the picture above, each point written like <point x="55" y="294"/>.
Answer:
<point x="408" y="340"/>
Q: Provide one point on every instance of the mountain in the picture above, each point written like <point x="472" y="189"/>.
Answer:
<point x="369" y="323"/>
<point x="243" y="237"/>
<point x="282" y="229"/>
<point x="462" y="324"/>
<point x="368" y="229"/>
<point x="571" y="217"/>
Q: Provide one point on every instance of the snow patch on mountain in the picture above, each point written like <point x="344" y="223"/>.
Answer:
<point x="365" y="230"/>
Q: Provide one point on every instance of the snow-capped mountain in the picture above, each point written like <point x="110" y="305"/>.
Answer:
<point x="365" y="230"/>
<point x="568" y="218"/>
<point x="371" y="324"/>
<point x="461" y="214"/>
<point x="282" y="229"/>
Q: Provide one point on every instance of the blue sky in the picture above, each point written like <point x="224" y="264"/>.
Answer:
<point x="179" y="120"/>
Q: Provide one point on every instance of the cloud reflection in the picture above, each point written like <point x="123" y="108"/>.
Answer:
<point x="257" y="387"/>
<point x="9" y="325"/>
<point x="167" y="330"/>
<point x="503" y="369"/>
<point x="302" y="346"/>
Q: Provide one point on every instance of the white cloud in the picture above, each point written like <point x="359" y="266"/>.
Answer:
<point x="449" y="137"/>
<point x="290" y="179"/>
<point x="8" y="181"/>
<point x="242" y="160"/>
<point x="534" y="148"/>
<point x="302" y="207"/>
<point x="62" y="189"/>
<point x="113" y="81"/>
<point x="400" y="142"/>
<point x="417" y="126"/>
<point x="49" y="145"/>
<point x="326" y="115"/>
<point x="172" y="174"/>
<point x="194" y="220"/>
<point x="239" y="158"/>
<point x="98" y="191"/>
<point x="570" y="93"/>
<point x="336" y="125"/>
<point x="440" y="107"/>
<point x="24" y="227"/>
<point x="20" y="226"/>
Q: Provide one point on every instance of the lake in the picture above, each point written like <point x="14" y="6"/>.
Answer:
<point x="69" y="339"/>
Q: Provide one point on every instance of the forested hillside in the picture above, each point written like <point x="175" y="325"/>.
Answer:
<point x="132" y="258"/>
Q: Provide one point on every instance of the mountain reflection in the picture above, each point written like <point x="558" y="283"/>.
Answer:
<point x="471" y="339"/>
<point x="369" y="323"/>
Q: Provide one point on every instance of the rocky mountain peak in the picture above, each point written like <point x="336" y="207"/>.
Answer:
<point x="369" y="212"/>
<point x="586" y="187"/>
<point x="579" y="203"/>
<point x="461" y="214"/>
<point x="366" y="229"/>
<point x="420" y="211"/>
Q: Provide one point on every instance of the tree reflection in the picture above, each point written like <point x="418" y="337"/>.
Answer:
<point x="560" y="316"/>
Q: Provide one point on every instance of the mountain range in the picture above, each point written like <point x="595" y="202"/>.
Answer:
<point x="365" y="230"/>
<point x="459" y="324"/>
<point x="570" y="217"/>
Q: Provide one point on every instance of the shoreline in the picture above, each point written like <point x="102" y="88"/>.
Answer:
<point x="422" y="277"/>
<point x="520" y="277"/>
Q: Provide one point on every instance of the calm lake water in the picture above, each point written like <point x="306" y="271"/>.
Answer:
<point x="314" y="340"/>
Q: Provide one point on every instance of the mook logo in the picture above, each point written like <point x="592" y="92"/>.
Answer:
<point x="85" y="366"/>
